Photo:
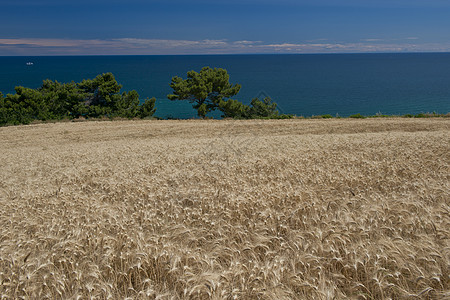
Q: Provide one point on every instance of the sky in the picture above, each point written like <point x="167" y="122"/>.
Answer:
<point x="155" y="27"/>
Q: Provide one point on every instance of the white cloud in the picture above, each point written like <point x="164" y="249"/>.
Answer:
<point x="130" y="46"/>
<point x="246" y="42"/>
<point x="169" y="43"/>
<point x="372" y="40"/>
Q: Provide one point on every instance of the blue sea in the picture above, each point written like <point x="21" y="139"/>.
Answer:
<point x="304" y="84"/>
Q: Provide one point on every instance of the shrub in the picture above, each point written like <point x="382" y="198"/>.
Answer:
<point x="327" y="116"/>
<point x="357" y="116"/>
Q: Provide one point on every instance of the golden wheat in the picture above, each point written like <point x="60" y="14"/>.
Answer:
<point x="275" y="209"/>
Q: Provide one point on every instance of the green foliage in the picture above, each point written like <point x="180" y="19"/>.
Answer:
<point x="263" y="109"/>
<point x="205" y="89"/>
<point x="327" y="116"/>
<point x="126" y="106"/>
<point x="147" y="109"/>
<point x="234" y="109"/>
<point x="421" y="115"/>
<point x="98" y="97"/>
<point x="102" y="91"/>
<point x="427" y="115"/>
<point x="357" y="116"/>
<point x="379" y="115"/>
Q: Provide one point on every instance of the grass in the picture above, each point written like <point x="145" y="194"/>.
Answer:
<point x="258" y="209"/>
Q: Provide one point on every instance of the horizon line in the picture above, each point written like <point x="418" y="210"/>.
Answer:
<point x="235" y="54"/>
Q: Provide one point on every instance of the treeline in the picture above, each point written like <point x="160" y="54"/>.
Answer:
<point x="207" y="90"/>
<point x="92" y="98"/>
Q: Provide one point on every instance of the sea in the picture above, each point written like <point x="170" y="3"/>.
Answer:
<point x="303" y="84"/>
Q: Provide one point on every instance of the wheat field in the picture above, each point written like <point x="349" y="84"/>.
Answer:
<point x="258" y="209"/>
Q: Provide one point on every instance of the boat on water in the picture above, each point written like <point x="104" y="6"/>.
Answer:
<point x="30" y="63"/>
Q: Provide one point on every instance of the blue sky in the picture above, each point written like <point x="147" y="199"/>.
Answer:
<point x="50" y="27"/>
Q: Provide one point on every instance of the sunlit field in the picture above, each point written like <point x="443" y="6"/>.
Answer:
<point x="274" y="209"/>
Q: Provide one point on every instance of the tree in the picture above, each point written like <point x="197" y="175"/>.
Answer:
<point x="65" y="100"/>
<point x="127" y="105"/>
<point x="101" y="94"/>
<point x="205" y="90"/>
<point x="263" y="109"/>
<point x="147" y="109"/>
<point x="102" y="97"/>
<point x="98" y="97"/>
<point x="234" y="109"/>
<point x="4" y="110"/>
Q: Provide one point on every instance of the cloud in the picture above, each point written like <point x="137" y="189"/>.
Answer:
<point x="247" y="42"/>
<point x="170" y="43"/>
<point x="135" y="46"/>
<point x="372" y="40"/>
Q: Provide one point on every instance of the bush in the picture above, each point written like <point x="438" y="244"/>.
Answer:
<point x="265" y="109"/>
<point x="420" y="115"/>
<point x="357" y="116"/>
<point x="283" y="116"/>
<point x="328" y="116"/>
